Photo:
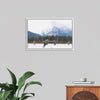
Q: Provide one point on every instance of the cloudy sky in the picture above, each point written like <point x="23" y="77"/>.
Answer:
<point x="39" y="26"/>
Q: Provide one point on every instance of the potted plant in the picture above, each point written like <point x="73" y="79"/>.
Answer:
<point x="11" y="91"/>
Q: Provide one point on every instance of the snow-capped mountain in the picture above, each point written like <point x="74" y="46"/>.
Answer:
<point x="59" y="31"/>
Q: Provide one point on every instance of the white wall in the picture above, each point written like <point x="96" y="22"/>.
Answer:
<point x="53" y="68"/>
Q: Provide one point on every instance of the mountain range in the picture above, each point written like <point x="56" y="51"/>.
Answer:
<point x="32" y="34"/>
<point x="63" y="31"/>
<point x="60" y="31"/>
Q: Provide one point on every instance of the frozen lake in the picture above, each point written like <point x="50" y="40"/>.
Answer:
<point x="50" y="46"/>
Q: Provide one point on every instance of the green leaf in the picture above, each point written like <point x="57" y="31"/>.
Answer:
<point x="15" y="98"/>
<point x="8" y="87"/>
<point x="12" y="86"/>
<point x="4" y="86"/>
<point x="0" y="95"/>
<point x="12" y="94"/>
<point x="25" y="95"/>
<point x="22" y="79"/>
<point x="31" y="83"/>
<point x="14" y="80"/>
<point x="33" y="94"/>
<point x="4" y="95"/>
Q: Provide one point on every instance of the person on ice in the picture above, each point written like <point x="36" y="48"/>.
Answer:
<point x="68" y="42"/>
<point x="54" y="42"/>
<point x="45" y="43"/>
<point x="34" y="42"/>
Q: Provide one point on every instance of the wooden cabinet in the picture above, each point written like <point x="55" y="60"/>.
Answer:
<point x="82" y="92"/>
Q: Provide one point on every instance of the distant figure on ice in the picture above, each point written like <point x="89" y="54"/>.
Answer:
<point x="45" y="43"/>
<point x="54" y="42"/>
<point x="34" y="42"/>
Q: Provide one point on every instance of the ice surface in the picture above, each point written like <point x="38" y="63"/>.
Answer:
<point x="50" y="46"/>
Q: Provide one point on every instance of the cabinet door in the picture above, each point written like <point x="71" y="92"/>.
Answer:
<point x="82" y="93"/>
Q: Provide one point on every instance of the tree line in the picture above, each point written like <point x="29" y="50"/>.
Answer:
<point x="56" y="38"/>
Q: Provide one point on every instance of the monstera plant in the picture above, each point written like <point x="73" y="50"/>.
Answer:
<point x="11" y="91"/>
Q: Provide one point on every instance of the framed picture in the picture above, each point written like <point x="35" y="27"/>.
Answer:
<point x="49" y="34"/>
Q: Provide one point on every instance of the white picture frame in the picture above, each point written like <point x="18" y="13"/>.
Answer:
<point x="49" y="25"/>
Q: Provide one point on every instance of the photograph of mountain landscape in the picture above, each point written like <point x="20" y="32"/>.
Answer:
<point x="50" y="33"/>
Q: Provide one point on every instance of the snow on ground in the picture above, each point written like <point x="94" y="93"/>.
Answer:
<point x="50" y="46"/>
